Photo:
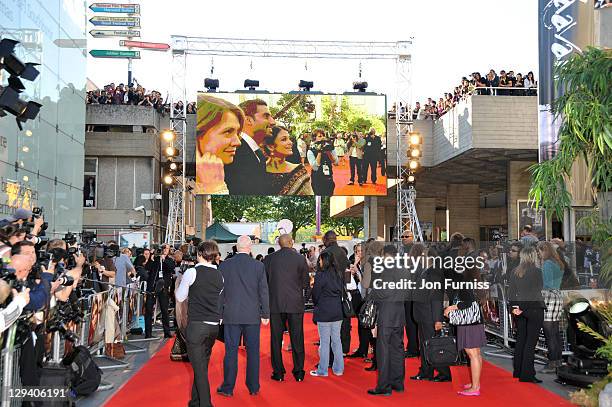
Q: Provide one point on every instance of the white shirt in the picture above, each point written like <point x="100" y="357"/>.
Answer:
<point x="188" y="278"/>
<point x="249" y="140"/>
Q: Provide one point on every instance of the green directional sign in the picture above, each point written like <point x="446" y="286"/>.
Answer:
<point x="110" y="53"/>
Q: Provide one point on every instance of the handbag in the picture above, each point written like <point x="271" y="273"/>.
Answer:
<point x="468" y="316"/>
<point x="179" y="348"/>
<point x="368" y="313"/>
<point x="347" y="306"/>
<point x="441" y="350"/>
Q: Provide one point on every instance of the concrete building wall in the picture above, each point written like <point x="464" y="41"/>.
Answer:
<point x="493" y="216"/>
<point x="509" y="122"/>
<point x="452" y="133"/>
<point x="123" y="115"/>
<point x="463" y="206"/>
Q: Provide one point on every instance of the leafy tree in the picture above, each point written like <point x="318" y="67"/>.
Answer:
<point x="227" y="208"/>
<point x="584" y="109"/>
<point x="345" y="226"/>
<point x="298" y="209"/>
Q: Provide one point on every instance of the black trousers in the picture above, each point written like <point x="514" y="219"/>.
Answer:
<point x="232" y="334"/>
<point x="528" y="326"/>
<point x="390" y="357"/>
<point x="426" y="331"/>
<point x="200" y="339"/>
<point x="371" y="164"/>
<point x="162" y="297"/>
<point x="411" y="330"/>
<point x="355" y="166"/>
<point x="30" y="360"/>
<point x="295" y="323"/>
<point x="553" y="340"/>
<point x="382" y="160"/>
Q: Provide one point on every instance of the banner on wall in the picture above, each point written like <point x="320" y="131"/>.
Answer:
<point x="564" y="27"/>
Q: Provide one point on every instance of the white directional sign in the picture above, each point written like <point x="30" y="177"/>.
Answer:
<point x="114" y="33"/>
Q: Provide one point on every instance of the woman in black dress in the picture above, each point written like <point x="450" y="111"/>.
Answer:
<point x="527" y="305"/>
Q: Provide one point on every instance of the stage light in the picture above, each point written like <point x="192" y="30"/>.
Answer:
<point x="170" y="151"/>
<point x="415" y="153"/>
<point x="360" y="86"/>
<point x="173" y="166"/>
<point x="251" y="84"/>
<point x="306" y="85"/>
<point x="168" y="179"/>
<point x="415" y="139"/>
<point x="211" y="85"/>
<point x="168" y="135"/>
<point x="411" y="179"/>
<point x="12" y="64"/>
<point x="22" y="110"/>
<point x="414" y="164"/>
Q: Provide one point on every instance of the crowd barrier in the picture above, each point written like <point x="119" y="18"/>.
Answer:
<point x="108" y="317"/>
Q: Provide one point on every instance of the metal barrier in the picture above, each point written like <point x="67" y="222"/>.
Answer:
<point x="90" y="333"/>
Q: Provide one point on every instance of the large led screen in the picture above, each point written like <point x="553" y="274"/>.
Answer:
<point x="291" y="144"/>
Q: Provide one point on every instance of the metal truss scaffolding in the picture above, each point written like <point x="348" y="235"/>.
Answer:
<point x="407" y="218"/>
<point x="400" y="52"/>
<point x="175" y="230"/>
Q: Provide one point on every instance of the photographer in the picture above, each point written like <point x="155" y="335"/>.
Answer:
<point x="13" y="310"/>
<point x="158" y="289"/>
<point x="322" y="158"/>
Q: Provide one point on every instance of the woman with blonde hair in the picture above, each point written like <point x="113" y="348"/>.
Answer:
<point x="552" y="275"/>
<point x="217" y="137"/>
<point x="527" y="305"/>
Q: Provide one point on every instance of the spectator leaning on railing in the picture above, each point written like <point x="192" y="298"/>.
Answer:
<point x="477" y="84"/>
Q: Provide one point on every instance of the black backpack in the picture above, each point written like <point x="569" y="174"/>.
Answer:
<point x="85" y="374"/>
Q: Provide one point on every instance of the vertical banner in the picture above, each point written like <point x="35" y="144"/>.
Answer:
<point x="564" y="27"/>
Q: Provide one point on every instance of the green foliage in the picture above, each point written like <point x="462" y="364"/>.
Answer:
<point x="227" y="208"/>
<point x="344" y="226"/>
<point x="584" y="110"/>
<point x="590" y="396"/>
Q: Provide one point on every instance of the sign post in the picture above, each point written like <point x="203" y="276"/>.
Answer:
<point x="152" y="46"/>
<point x="115" y="33"/>
<point x="106" y="21"/>
<point x="110" y="53"/>
<point x="115" y="8"/>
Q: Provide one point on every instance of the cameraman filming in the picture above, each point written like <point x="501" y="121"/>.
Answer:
<point x="158" y="289"/>
<point x="322" y="158"/>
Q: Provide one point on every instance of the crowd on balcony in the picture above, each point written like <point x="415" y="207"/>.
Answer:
<point x="136" y="95"/>
<point x="490" y="84"/>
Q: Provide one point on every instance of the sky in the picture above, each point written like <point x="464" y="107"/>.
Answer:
<point x="451" y="39"/>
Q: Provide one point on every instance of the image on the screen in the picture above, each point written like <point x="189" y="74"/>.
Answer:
<point x="291" y="144"/>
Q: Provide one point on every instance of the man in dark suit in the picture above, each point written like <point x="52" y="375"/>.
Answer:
<point x="245" y="305"/>
<point x="389" y="328"/>
<point x="412" y="343"/>
<point x="371" y="155"/>
<point x="246" y="175"/>
<point x="158" y="289"/>
<point x="428" y="312"/>
<point x="331" y="245"/>
<point x="287" y="278"/>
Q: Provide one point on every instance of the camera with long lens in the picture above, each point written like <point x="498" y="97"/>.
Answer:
<point x="323" y="146"/>
<point x="37" y="212"/>
<point x="304" y="250"/>
<point x="65" y="313"/>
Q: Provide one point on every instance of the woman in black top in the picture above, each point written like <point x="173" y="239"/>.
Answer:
<point x="525" y="298"/>
<point x="327" y="299"/>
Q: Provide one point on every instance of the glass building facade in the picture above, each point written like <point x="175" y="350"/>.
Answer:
<point x="42" y="165"/>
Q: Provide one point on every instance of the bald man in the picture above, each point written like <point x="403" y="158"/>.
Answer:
<point x="287" y="272"/>
<point x="245" y="305"/>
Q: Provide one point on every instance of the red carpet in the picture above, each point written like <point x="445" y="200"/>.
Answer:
<point x="162" y="382"/>
<point x="342" y="176"/>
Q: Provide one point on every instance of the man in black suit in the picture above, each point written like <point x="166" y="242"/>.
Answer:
<point x="159" y="283"/>
<point x="371" y="155"/>
<point x="412" y="343"/>
<point x="389" y="328"/>
<point x="287" y="278"/>
<point x="331" y="245"/>
<point x="245" y="305"/>
<point x="428" y="312"/>
<point x="246" y="175"/>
